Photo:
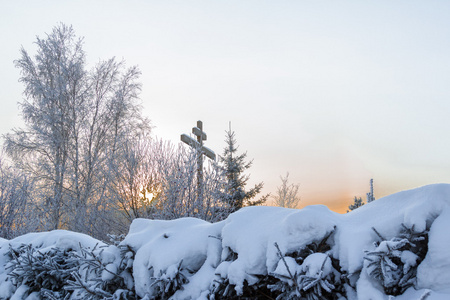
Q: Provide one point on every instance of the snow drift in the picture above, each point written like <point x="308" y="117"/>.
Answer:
<point x="397" y="246"/>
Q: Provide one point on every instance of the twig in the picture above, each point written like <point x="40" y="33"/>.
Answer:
<point x="285" y="264"/>
<point x="378" y="234"/>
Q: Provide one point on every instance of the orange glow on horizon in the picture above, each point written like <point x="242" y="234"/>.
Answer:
<point x="336" y="202"/>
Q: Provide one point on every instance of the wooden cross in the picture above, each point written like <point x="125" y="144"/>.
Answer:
<point x="198" y="146"/>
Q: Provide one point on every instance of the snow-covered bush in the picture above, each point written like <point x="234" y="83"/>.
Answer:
<point x="396" y="246"/>
<point x="318" y="279"/>
<point x="102" y="274"/>
<point x="221" y="288"/>
<point x="394" y="263"/>
<point x="307" y="274"/>
<point x="170" y="281"/>
<point x="62" y="264"/>
<point x="251" y="253"/>
<point x="45" y="273"/>
<point x="169" y="254"/>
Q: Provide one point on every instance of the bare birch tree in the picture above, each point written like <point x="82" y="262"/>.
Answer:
<point x="53" y="80"/>
<point x="178" y="195"/>
<point x="287" y="194"/>
<point x="16" y="212"/>
<point x="76" y="121"/>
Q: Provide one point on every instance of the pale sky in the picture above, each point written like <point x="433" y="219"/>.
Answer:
<point x="333" y="92"/>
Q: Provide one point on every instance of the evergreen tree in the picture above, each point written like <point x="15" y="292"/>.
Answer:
<point x="235" y="195"/>
<point x="370" y="196"/>
<point x="357" y="202"/>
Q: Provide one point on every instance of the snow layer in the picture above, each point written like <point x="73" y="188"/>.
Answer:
<point x="44" y="241"/>
<point x="253" y="231"/>
<point x="62" y="239"/>
<point x="418" y="207"/>
<point x="161" y="245"/>
<point x="434" y="272"/>
<point x="250" y="241"/>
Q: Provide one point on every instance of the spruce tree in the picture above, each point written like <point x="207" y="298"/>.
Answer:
<point x="357" y="202"/>
<point x="235" y="195"/>
<point x="370" y="196"/>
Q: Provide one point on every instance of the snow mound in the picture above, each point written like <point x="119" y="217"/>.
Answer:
<point x="253" y="231"/>
<point x="434" y="272"/>
<point x="416" y="209"/>
<point x="161" y="246"/>
<point x="394" y="246"/>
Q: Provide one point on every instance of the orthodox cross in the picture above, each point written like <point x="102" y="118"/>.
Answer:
<point x="201" y="150"/>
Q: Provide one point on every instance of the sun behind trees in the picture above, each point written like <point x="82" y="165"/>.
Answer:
<point x="85" y="159"/>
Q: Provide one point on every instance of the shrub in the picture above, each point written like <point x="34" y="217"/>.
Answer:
<point x="394" y="263"/>
<point x="42" y="272"/>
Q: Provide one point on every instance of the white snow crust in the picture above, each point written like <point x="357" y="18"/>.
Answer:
<point x="162" y="245"/>
<point x="243" y="245"/>
<point x="252" y="233"/>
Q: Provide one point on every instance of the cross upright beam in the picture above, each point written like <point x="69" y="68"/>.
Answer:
<point x="198" y="131"/>
<point x="202" y="150"/>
